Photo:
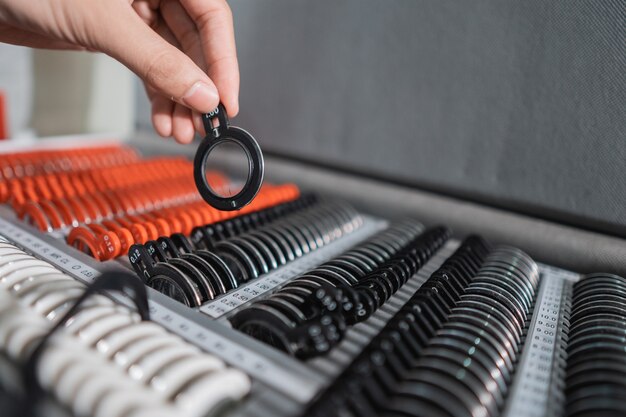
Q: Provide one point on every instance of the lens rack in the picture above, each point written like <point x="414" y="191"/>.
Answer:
<point x="322" y="309"/>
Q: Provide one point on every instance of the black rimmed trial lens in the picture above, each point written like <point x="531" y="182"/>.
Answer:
<point x="221" y="136"/>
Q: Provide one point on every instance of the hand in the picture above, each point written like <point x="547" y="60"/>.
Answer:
<point x="184" y="50"/>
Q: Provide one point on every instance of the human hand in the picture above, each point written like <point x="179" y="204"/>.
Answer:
<point x="183" y="50"/>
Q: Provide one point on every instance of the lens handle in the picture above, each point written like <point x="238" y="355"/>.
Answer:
<point x="208" y="118"/>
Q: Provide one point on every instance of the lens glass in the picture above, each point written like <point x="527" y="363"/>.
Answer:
<point x="226" y="169"/>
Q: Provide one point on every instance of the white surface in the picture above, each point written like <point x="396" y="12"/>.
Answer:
<point x="16" y="80"/>
<point x="80" y="92"/>
<point x="112" y="100"/>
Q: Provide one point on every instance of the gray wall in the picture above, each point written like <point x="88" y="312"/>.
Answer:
<point x="519" y="104"/>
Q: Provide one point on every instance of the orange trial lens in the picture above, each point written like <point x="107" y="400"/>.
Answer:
<point x="225" y="141"/>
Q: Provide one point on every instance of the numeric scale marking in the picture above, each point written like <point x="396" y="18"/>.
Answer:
<point x="530" y="393"/>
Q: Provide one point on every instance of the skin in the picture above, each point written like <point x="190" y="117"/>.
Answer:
<point x="183" y="50"/>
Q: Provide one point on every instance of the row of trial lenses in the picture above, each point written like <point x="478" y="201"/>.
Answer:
<point x="205" y="237"/>
<point x="86" y="382"/>
<point x="23" y="329"/>
<point x="374" y="289"/>
<point x="37" y="283"/>
<point x="176" y="211"/>
<point x="37" y="162"/>
<point x="149" y="358"/>
<point x="194" y="277"/>
<point x="307" y="316"/>
<point x="153" y="359"/>
<point x="363" y="389"/>
<point x="467" y="368"/>
<point x="596" y="351"/>
<point x="366" y="280"/>
<point x="201" y="244"/>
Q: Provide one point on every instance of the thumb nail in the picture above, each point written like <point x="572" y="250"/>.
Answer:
<point x="201" y="97"/>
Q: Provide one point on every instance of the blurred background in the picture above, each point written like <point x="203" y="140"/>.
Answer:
<point x="519" y="105"/>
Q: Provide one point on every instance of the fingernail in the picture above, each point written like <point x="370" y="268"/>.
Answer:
<point x="201" y="97"/>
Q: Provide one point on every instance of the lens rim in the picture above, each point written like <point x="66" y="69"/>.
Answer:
<point x="256" y="168"/>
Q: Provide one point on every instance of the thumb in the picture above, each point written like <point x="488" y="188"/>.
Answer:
<point x="159" y="64"/>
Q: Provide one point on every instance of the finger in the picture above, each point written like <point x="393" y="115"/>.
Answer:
<point x="197" y="123"/>
<point x="214" y="20"/>
<point x="147" y="10"/>
<point x="182" y="126"/>
<point x="178" y="28"/>
<point x="162" y="29"/>
<point x="184" y="30"/>
<point x="22" y="37"/>
<point x="162" y="107"/>
<point x="161" y="65"/>
<point x="162" y="113"/>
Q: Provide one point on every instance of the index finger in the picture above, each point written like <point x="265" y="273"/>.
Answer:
<point x="214" y="21"/>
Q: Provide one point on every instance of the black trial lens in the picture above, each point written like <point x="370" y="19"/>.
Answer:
<point x="221" y="136"/>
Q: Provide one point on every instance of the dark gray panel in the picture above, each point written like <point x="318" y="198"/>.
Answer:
<point x="518" y="103"/>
